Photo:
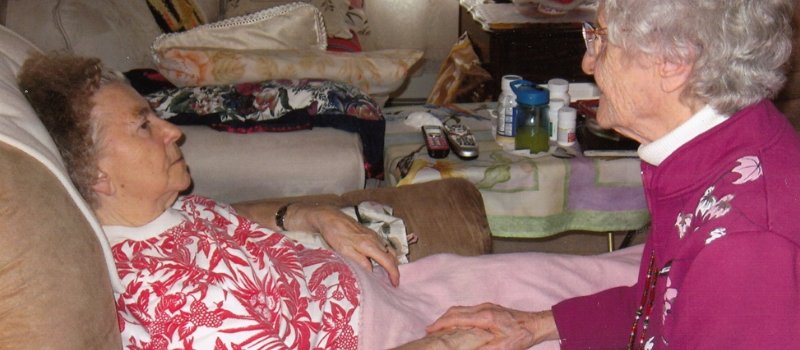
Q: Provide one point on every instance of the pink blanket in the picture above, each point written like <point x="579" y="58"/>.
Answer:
<point x="524" y="281"/>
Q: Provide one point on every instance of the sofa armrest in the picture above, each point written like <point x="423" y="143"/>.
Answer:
<point x="55" y="291"/>
<point x="447" y="216"/>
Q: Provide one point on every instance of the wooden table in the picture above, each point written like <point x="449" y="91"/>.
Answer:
<point x="537" y="48"/>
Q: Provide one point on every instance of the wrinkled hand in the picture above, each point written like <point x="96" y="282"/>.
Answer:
<point x="450" y="339"/>
<point x="350" y="239"/>
<point x="512" y="329"/>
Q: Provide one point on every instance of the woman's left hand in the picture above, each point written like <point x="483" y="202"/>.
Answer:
<point x="346" y="236"/>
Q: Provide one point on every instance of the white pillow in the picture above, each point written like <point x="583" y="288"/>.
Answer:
<point x="291" y="26"/>
<point x="334" y="12"/>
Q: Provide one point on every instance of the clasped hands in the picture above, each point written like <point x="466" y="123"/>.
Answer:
<point x="508" y="328"/>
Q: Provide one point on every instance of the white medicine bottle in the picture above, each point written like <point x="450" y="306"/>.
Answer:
<point x="506" y="103"/>
<point x="559" y="89"/>
<point x="566" y="126"/>
<point x="552" y="117"/>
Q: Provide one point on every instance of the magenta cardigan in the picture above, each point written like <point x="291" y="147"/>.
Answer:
<point x="724" y="245"/>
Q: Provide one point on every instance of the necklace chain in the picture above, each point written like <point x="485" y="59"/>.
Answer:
<point x="646" y="305"/>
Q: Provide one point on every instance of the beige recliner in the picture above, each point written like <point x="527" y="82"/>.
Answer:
<point x="56" y="272"/>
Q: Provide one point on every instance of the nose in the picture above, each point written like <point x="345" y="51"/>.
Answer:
<point x="587" y="63"/>
<point x="170" y="132"/>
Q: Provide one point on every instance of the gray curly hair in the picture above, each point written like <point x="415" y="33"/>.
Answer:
<point x="739" y="47"/>
<point x="60" y="87"/>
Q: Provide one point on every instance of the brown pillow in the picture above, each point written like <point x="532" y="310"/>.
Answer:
<point x="55" y="292"/>
<point x="446" y="215"/>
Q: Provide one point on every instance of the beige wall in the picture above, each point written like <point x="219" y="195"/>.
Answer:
<point x="428" y="25"/>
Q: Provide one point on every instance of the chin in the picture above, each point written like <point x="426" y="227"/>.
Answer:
<point x="602" y="116"/>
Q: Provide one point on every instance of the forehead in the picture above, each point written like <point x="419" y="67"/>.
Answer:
<point x="118" y="101"/>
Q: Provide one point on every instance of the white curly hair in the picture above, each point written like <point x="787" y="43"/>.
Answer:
<point x="739" y="48"/>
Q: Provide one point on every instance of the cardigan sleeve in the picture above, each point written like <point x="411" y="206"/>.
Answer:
<point x="740" y="292"/>
<point x="598" y="321"/>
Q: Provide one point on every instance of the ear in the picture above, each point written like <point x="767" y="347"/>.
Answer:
<point x="673" y="75"/>
<point x="102" y="184"/>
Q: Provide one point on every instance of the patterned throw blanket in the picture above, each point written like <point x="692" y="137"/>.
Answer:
<point x="271" y="106"/>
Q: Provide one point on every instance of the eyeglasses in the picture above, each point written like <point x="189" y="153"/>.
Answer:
<point x="592" y="36"/>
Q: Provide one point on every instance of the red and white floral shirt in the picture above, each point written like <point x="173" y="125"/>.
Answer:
<point x="202" y="277"/>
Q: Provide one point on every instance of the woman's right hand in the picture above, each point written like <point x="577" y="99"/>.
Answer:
<point x="512" y="329"/>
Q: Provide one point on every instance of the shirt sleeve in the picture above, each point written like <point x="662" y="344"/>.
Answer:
<point x="598" y="321"/>
<point x="740" y="292"/>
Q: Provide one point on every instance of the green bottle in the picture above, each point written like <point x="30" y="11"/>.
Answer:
<point x="533" y="132"/>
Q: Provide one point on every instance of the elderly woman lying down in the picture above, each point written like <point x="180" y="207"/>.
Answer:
<point x="199" y="276"/>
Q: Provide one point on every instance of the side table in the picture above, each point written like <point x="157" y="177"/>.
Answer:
<point x="524" y="196"/>
<point x="538" y="49"/>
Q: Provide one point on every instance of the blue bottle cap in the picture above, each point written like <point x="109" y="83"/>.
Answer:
<point x="530" y="94"/>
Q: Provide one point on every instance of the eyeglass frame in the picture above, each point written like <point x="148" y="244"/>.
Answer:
<point x="591" y="34"/>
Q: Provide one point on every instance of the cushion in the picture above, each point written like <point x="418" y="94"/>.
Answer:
<point x="464" y="230"/>
<point x="292" y="26"/>
<point x="375" y="72"/>
<point x="255" y="102"/>
<point x="258" y="165"/>
<point x="88" y="28"/>
<point x="339" y="15"/>
<point x="280" y="106"/>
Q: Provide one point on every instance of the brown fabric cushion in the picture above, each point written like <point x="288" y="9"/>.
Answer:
<point x="55" y="292"/>
<point x="447" y="215"/>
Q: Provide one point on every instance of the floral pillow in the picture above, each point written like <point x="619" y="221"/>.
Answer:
<point x="375" y="72"/>
<point x="277" y="106"/>
<point x="257" y="102"/>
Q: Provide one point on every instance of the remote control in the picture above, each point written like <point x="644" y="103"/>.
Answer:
<point x="461" y="141"/>
<point x="435" y="141"/>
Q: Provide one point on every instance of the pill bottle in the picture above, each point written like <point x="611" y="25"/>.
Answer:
<point x="566" y="126"/>
<point x="559" y="89"/>
<point x="531" y="114"/>
<point x="552" y="116"/>
<point x="505" y="107"/>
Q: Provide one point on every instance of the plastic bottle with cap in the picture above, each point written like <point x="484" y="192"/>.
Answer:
<point x="552" y="116"/>
<point x="566" y="126"/>
<point x="531" y="114"/>
<point x="559" y="89"/>
<point x="505" y="107"/>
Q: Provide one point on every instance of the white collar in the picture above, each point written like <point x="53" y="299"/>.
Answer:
<point x="169" y="218"/>
<point x="702" y="121"/>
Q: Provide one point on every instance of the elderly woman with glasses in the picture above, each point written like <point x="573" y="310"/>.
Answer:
<point x="691" y="81"/>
